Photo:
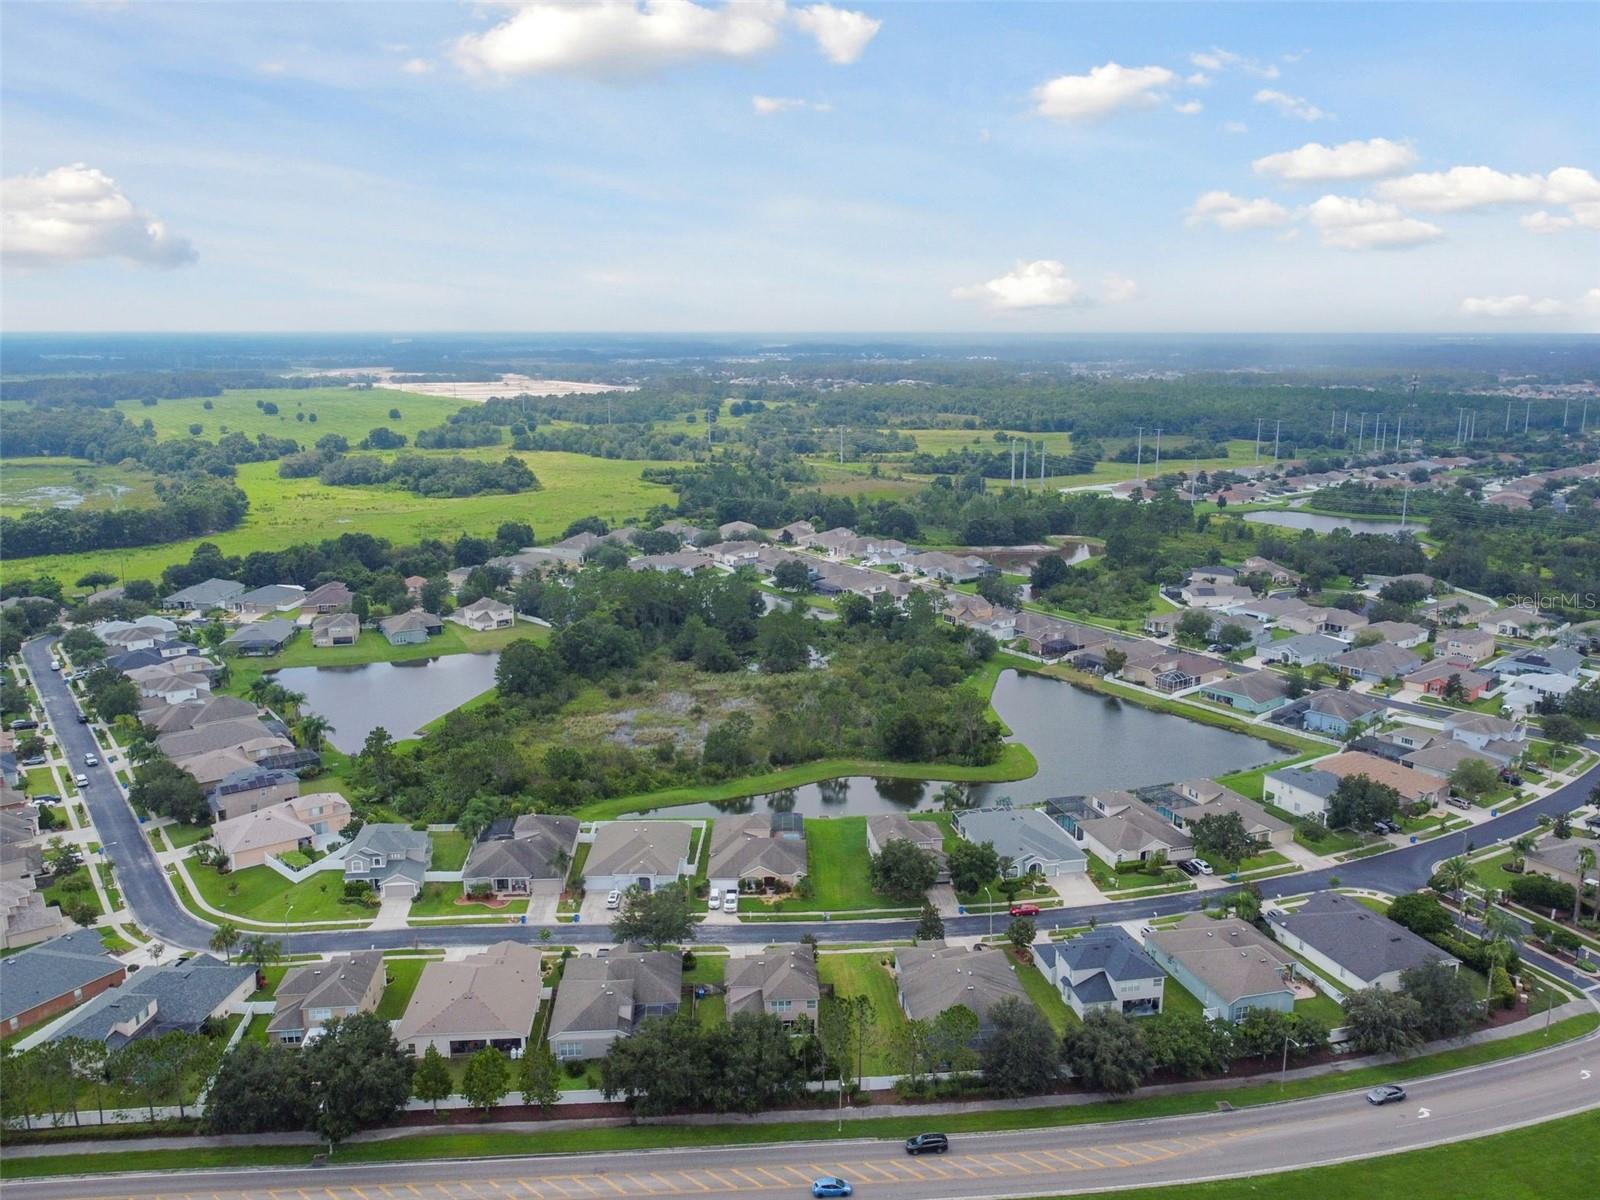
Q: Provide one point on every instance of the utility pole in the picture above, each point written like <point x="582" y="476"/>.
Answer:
<point x="1025" y="442"/>
<point x="1347" y="420"/>
<point x="1013" y="462"/>
<point x="1527" y="415"/>
<point x="1158" y="450"/>
<point x="1334" y="416"/>
<point x="1041" y="464"/>
<point x="1258" y="440"/>
<point x="1276" y="433"/>
<point x="1361" y="433"/>
<point x="1138" y="460"/>
<point x="1398" y="422"/>
<point x="1583" y="421"/>
<point x="1508" y="417"/>
<point x="1566" y="410"/>
<point x="1405" y="500"/>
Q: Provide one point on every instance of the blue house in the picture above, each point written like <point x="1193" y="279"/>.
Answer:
<point x="1337" y="713"/>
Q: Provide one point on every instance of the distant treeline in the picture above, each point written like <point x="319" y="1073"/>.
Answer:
<point x="107" y="435"/>
<point x="103" y="391"/>
<point x="194" y="507"/>
<point x="426" y="476"/>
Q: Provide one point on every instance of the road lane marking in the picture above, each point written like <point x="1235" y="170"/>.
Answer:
<point x="779" y="1179"/>
<point x="606" y="1179"/>
<point x="797" y="1173"/>
<point x="529" y="1185"/>
<point x="688" y="1178"/>
<point x="724" y="1183"/>
<point x="1043" y="1166"/>
<point x="961" y="1166"/>
<point x="634" y="1179"/>
<point x="755" y="1183"/>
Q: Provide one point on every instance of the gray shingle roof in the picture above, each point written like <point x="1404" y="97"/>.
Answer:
<point x="1355" y="937"/>
<point x="50" y="969"/>
<point x="532" y="852"/>
<point x="600" y="994"/>
<point x="205" y="595"/>
<point x="185" y="994"/>
<point x="778" y="975"/>
<point x="340" y="983"/>
<point x="933" y="978"/>
<point x="1110" y="951"/>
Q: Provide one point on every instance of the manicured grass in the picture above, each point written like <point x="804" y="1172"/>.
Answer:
<point x="274" y="976"/>
<point x="113" y="942"/>
<point x="286" y="511"/>
<point x="864" y="975"/>
<point x="439" y="900"/>
<point x="403" y="976"/>
<point x="1179" y="999"/>
<point x="260" y="894"/>
<point x="449" y="850"/>
<point x="257" y="1031"/>
<point x="1323" y="1007"/>
<point x="183" y="834"/>
<point x="1045" y="998"/>
<point x="836" y="864"/>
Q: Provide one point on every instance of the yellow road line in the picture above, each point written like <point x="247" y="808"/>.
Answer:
<point x="779" y="1179"/>
<point x="606" y="1179"/>
<point x="688" y="1178"/>
<point x="755" y="1183"/>
<point x="1040" y="1163"/>
<point x="721" y="1182"/>
<point x="531" y="1186"/>
<point x="1065" y="1161"/>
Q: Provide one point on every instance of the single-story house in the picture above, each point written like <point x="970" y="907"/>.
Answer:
<point x="1413" y="786"/>
<point x="310" y="996"/>
<point x="758" y="851"/>
<point x="927" y="836"/>
<point x="47" y="978"/>
<point x="1442" y="759"/>
<point x="485" y="999"/>
<point x="1474" y="645"/>
<point x="261" y="637"/>
<point x="25" y="917"/>
<point x="1405" y="634"/>
<point x="1482" y="730"/>
<point x="1336" y="713"/>
<point x="1518" y="622"/>
<point x="1434" y="678"/>
<point x="1166" y="669"/>
<point x="602" y="999"/>
<point x="1134" y="833"/>
<point x="1103" y="970"/>
<point x="335" y="629"/>
<point x="294" y="824"/>
<point x="485" y="614"/>
<point x="212" y="593"/>
<point x="1254" y="692"/>
<point x="1304" y="650"/>
<point x="792" y="533"/>
<point x="948" y="568"/>
<point x="1353" y="944"/>
<point x="1304" y="791"/>
<point x="1559" y="860"/>
<point x="647" y="854"/>
<point x="730" y="530"/>
<point x="177" y="718"/>
<point x="528" y="856"/>
<point x="1375" y="663"/>
<point x="1228" y="965"/>
<point x="1281" y="576"/>
<point x="392" y="858"/>
<point x="329" y="598"/>
<point x="683" y="562"/>
<point x="274" y="597"/>
<point x="249" y="735"/>
<point x="735" y="554"/>
<point x="1546" y="660"/>
<point x="780" y="983"/>
<point x="932" y="977"/>
<point x="1214" y="595"/>
<point x="211" y="767"/>
<point x="1025" y="836"/>
<point x="181" y="996"/>
<point x="410" y="628"/>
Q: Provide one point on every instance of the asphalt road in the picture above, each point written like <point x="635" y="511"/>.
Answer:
<point x="1085" y="1158"/>
<point x="147" y="891"/>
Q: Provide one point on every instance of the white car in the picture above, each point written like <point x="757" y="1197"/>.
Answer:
<point x="81" y="780"/>
<point x="613" y="899"/>
<point x="90" y="760"/>
<point x="730" y="902"/>
<point x="1202" y="866"/>
<point x="714" y="901"/>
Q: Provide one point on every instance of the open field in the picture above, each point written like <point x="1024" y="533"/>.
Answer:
<point x="286" y="511"/>
<point x="346" y="411"/>
<point x="28" y="483"/>
<point x="261" y="894"/>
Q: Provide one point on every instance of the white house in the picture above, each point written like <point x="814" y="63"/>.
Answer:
<point x="1304" y="791"/>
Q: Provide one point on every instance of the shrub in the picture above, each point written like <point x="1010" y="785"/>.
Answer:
<point x="1540" y="891"/>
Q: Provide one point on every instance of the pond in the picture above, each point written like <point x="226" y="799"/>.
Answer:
<point x="400" y="696"/>
<point x="1323" y="523"/>
<point x="1084" y="743"/>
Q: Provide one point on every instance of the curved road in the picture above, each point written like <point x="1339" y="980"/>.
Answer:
<point x="1040" y="1162"/>
<point x="149" y="894"/>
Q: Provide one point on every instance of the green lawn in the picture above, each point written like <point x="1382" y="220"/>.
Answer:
<point x="836" y="864"/>
<point x="1179" y="999"/>
<point x="864" y="975"/>
<point x="1491" y="873"/>
<point x="1324" y="1007"/>
<point x="182" y="834"/>
<point x="260" y="894"/>
<point x="1045" y="998"/>
<point x="439" y="900"/>
<point x="403" y="976"/>
<point x="274" y="976"/>
<point x="449" y="850"/>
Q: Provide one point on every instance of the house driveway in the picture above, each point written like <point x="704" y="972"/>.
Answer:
<point x="392" y="913"/>
<point x="594" y="910"/>
<point x="943" y="898"/>
<point x="542" y="909"/>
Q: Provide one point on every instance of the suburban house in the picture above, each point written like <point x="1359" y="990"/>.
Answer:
<point x="335" y="629"/>
<point x="1211" y="799"/>
<point x="392" y="858"/>
<point x="738" y="529"/>
<point x="249" y="789"/>
<point x="758" y="852"/>
<point x="180" y="996"/>
<point x="649" y="854"/>
<point x="1166" y="669"/>
<point x="485" y="614"/>
<point x="1474" y="645"/>
<point x="780" y="983"/>
<point x="312" y="995"/>
<point x="1254" y="692"/>
<point x="684" y="562"/>
<point x="1559" y="860"/>
<point x="1103" y="970"/>
<point x="1444" y="757"/>
<point x="1200" y="594"/>
<point x="176" y="718"/>
<point x="1132" y="833"/>
<point x="927" y="836"/>
<point x="213" y="593"/>
<point x="329" y="598"/>
<point x="1513" y="623"/>
<point x="485" y="999"/>
<point x="410" y="628"/>
<point x="1303" y="791"/>
<point x="261" y="637"/>
<point x="171" y="682"/>
<point x="1228" y="965"/>
<point x="274" y="597"/>
<point x="947" y="568"/>
<point x="1304" y="650"/>
<point x="932" y="977"/>
<point x="1546" y="660"/>
<point x="1405" y="634"/>
<point x="1495" y="736"/>
<point x="1413" y="786"/>
<point x="1434" y="678"/>
<point x="522" y="857"/>
<point x="792" y="533"/>
<point x="250" y="736"/>
<point x="1338" y="714"/>
<point x="414" y="585"/>
<point x="25" y="917"/>
<point x="1281" y="576"/>
<point x="1375" y="663"/>
<point x="1357" y="947"/>
<point x="48" y="978"/>
<point x="1025" y="836"/>
<point x="603" y="999"/>
<point x="294" y="824"/>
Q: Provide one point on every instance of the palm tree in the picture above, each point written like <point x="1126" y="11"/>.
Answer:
<point x="1453" y="875"/>
<point x="225" y="939"/>
<point x="261" y="952"/>
<point x="259" y="689"/>
<point x="1522" y="847"/>
<point x="313" y="730"/>
<point x="1501" y="932"/>
<point x="1586" y="860"/>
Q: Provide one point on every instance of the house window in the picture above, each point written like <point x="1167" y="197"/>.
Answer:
<point x="77" y="993"/>
<point x="782" y="1006"/>
<point x="566" y="1050"/>
<point x="377" y="862"/>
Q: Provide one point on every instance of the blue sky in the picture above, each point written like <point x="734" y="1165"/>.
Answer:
<point x="670" y="165"/>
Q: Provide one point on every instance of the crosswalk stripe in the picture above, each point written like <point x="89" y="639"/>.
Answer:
<point x="721" y="1182"/>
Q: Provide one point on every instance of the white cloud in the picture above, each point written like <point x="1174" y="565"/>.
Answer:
<point x="623" y="37"/>
<point x="416" y="66"/>
<point x="1198" y="79"/>
<point x="1236" y="127"/>
<point x="769" y="106"/>
<point x="1103" y="90"/>
<point x="1587" y="214"/>
<point x="1188" y="108"/>
<point x="1213" y="61"/>
<point x="1544" y="222"/>
<point x="1117" y="289"/>
<point x="1315" y="162"/>
<point x="1462" y="188"/>
<point x="1291" y="106"/>
<point x="1351" y="223"/>
<point x="1512" y="306"/>
<point x="1218" y="59"/>
<point x="840" y="33"/>
<point x="1043" y="283"/>
<point x="1227" y="211"/>
<point x="76" y="213"/>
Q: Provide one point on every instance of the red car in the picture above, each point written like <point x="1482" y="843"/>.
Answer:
<point x="1024" y="910"/>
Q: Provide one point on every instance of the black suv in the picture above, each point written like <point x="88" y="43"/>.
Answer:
<point x="927" y="1143"/>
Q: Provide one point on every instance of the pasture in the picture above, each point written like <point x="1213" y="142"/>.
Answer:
<point x="348" y="411"/>
<point x="28" y="483"/>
